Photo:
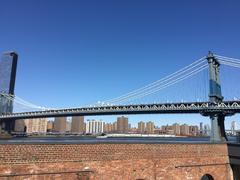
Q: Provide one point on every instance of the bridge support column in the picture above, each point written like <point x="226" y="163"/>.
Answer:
<point x="217" y="128"/>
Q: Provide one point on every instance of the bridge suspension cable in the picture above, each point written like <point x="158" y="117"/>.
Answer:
<point x="163" y="83"/>
<point x="233" y="62"/>
<point x="22" y="102"/>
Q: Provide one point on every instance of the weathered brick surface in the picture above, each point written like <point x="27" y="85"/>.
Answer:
<point x="115" y="161"/>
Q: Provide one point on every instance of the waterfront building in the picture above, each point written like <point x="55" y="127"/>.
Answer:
<point x="94" y="126"/>
<point x="19" y="126"/>
<point x="78" y="125"/>
<point x="49" y="126"/>
<point x="30" y="126"/>
<point x="193" y="130"/>
<point x="176" y="129"/>
<point x="184" y="130"/>
<point x="167" y="130"/>
<point x="115" y="126"/>
<point x="68" y="126"/>
<point x="60" y="124"/>
<point x="150" y="127"/>
<point x="108" y="127"/>
<point x="141" y="127"/>
<point x="122" y="124"/>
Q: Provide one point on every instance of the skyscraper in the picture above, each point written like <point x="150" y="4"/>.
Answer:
<point x="141" y="127"/>
<point x="78" y="124"/>
<point x="60" y="124"/>
<point x="122" y="124"/>
<point x="8" y="68"/>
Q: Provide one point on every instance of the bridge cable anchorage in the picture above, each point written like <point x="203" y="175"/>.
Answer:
<point x="162" y="82"/>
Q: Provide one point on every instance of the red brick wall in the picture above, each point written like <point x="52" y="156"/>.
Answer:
<point x="114" y="161"/>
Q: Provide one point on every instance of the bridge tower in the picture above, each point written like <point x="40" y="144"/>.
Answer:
<point x="8" y="68"/>
<point x="215" y="96"/>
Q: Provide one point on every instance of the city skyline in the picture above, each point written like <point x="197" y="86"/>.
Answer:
<point x="109" y="53"/>
<point x="79" y="125"/>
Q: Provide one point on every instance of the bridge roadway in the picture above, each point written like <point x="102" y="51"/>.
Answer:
<point x="204" y="108"/>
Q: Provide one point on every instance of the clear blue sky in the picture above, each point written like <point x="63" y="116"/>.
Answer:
<point x="73" y="53"/>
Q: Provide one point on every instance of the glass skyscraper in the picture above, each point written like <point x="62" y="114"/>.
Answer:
<point x="8" y="67"/>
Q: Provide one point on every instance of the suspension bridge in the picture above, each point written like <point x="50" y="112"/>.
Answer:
<point x="215" y="107"/>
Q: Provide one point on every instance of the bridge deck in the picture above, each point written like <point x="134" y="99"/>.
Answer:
<point x="227" y="107"/>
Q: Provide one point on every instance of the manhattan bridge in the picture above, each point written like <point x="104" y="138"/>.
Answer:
<point x="216" y="108"/>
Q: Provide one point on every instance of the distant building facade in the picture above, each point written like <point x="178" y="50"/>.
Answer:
<point x="193" y="130"/>
<point x="122" y="124"/>
<point x="184" y="130"/>
<point x="108" y="127"/>
<point x="60" y="124"/>
<point x="176" y="129"/>
<point x="94" y="126"/>
<point x="78" y="125"/>
<point x="30" y="126"/>
<point x="49" y="126"/>
<point x="141" y="127"/>
<point x="149" y="127"/>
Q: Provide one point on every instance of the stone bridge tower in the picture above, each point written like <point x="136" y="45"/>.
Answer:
<point x="215" y="96"/>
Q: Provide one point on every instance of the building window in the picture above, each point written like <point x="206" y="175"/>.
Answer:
<point x="207" y="177"/>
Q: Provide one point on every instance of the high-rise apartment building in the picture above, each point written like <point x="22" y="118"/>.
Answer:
<point x="176" y="129"/>
<point x="30" y="126"/>
<point x="184" y="129"/>
<point x="49" y="126"/>
<point x="115" y="126"/>
<point x="141" y="127"/>
<point x="94" y="126"/>
<point x="20" y="126"/>
<point x="68" y="126"/>
<point x="149" y="127"/>
<point x="193" y="130"/>
<point x="60" y="124"/>
<point x="122" y="124"/>
<point x="78" y="125"/>
<point x="108" y="127"/>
